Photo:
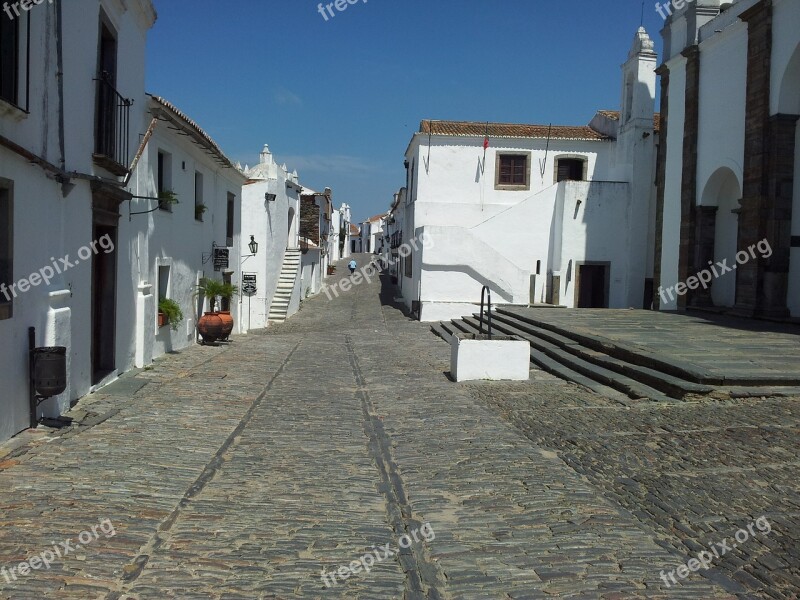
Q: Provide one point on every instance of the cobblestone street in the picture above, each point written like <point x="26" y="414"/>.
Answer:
<point x="247" y="470"/>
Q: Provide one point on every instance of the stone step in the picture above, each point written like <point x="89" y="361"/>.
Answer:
<point x="674" y="387"/>
<point x="632" y="388"/>
<point x="439" y="330"/>
<point x="547" y="364"/>
<point x="635" y="355"/>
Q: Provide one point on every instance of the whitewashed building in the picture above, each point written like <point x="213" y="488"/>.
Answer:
<point x="340" y="233"/>
<point x="72" y="106"/>
<point x="271" y="215"/>
<point x="316" y="217"/>
<point x="728" y="167"/>
<point x="171" y="247"/>
<point x="538" y="213"/>
<point x="372" y="234"/>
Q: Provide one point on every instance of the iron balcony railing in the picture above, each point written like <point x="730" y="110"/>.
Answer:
<point x="112" y="126"/>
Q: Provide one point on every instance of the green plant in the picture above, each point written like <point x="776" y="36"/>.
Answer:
<point x="211" y="289"/>
<point x="199" y="209"/>
<point x="166" y="198"/>
<point x="172" y="311"/>
<point x="229" y="290"/>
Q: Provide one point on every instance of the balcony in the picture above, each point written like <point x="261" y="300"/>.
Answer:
<point x="111" y="128"/>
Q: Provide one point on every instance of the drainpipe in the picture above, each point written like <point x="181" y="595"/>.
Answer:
<point x="60" y="78"/>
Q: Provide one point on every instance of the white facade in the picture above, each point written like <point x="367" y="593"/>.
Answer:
<point x="61" y="189"/>
<point x="372" y="232"/>
<point x="170" y="249"/>
<point x="271" y="214"/>
<point x="340" y="233"/>
<point x="719" y="33"/>
<point x="533" y="241"/>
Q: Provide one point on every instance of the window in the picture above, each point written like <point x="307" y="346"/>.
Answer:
<point x="164" y="178"/>
<point x="6" y="248"/>
<point x="408" y="266"/>
<point x="513" y="171"/>
<point x="199" y="207"/>
<point x="570" y="169"/>
<point x="9" y="57"/>
<point x="229" y="223"/>
<point x="163" y="282"/>
<point x="15" y="34"/>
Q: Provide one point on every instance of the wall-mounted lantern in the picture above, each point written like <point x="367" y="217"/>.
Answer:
<point x="253" y="245"/>
<point x="270" y="197"/>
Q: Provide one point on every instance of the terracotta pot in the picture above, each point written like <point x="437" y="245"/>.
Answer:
<point x="210" y="327"/>
<point x="227" y="323"/>
<point x="162" y="320"/>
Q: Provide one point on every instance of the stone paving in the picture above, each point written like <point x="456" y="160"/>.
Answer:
<point x="244" y="471"/>
<point x="724" y="348"/>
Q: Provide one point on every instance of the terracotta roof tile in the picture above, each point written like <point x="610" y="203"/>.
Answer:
<point x="196" y="128"/>
<point x="509" y="130"/>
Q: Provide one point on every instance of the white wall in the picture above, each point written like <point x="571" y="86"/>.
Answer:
<point x="174" y="240"/>
<point x="46" y="222"/>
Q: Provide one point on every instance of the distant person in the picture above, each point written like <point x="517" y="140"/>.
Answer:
<point x="352" y="265"/>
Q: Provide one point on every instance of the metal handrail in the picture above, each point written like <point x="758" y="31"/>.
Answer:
<point x="486" y="292"/>
<point x="112" y="122"/>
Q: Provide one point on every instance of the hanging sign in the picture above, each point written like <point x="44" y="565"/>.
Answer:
<point x="221" y="256"/>
<point x="249" y="285"/>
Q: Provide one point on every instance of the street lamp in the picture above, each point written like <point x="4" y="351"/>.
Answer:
<point x="253" y="245"/>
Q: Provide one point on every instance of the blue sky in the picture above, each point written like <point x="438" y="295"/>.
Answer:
<point x="338" y="100"/>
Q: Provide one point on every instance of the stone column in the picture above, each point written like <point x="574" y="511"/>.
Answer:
<point x="686" y="258"/>
<point x="759" y="55"/>
<point x="777" y="216"/>
<point x="705" y="238"/>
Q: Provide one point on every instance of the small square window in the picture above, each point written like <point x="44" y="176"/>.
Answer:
<point x="513" y="171"/>
<point x="570" y="169"/>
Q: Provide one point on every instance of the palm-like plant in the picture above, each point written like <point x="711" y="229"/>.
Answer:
<point x="229" y="290"/>
<point x="211" y="289"/>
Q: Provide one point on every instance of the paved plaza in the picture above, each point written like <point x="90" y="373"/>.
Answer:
<point x="331" y="457"/>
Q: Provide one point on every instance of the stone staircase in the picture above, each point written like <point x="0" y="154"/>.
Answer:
<point x="613" y="369"/>
<point x="286" y="281"/>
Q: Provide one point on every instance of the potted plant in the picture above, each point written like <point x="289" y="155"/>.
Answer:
<point x="170" y="312"/>
<point x="199" y="209"/>
<point x="210" y="325"/>
<point x="228" y="292"/>
<point x="166" y="198"/>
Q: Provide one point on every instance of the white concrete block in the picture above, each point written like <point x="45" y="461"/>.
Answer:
<point x="501" y="358"/>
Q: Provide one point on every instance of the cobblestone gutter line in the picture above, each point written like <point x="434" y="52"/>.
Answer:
<point x="132" y="571"/>
<point x="423" y="579"/>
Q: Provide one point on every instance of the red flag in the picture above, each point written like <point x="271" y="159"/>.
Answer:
<point x="485" y="143"/>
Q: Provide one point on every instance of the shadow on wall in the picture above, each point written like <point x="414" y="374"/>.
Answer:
<point x="475" y="275"/>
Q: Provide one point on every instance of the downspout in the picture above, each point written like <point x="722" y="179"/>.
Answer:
<point x="60" y="78"/>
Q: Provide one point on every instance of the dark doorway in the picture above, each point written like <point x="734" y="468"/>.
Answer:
<point x="592" y="286"/>
<point x="104" y="301"/>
